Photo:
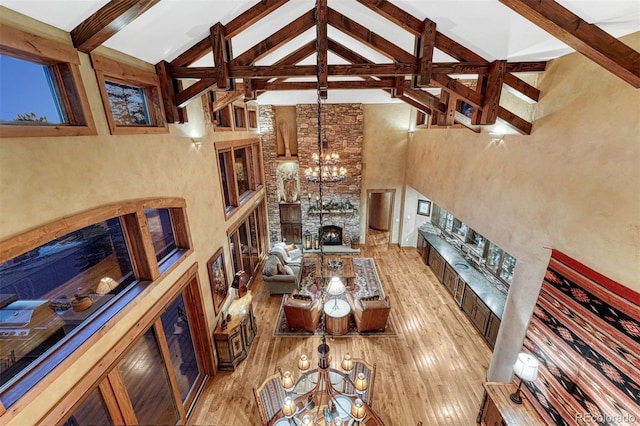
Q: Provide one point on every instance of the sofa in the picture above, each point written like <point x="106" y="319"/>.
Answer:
<point x="371" y="313"/>
<point x="280" y="278"/>
<point x="290" y="254"/>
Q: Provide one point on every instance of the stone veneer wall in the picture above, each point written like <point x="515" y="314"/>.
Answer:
<point x="266" y="118"/>
<point x="344" y="125"/>
<point x="344" y="130"/>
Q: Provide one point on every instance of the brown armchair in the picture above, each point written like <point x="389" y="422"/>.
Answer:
<point x="369" y="315"/>
<point x="302" y="314"/>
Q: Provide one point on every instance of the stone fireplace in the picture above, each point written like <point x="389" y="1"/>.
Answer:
<point x="343" y="127"/>
<point x="330" y="235"/>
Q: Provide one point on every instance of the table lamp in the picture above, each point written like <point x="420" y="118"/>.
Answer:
<point x="240" y="281"/>
<point x="526" y="368"/>
<point x="335" y="288"/>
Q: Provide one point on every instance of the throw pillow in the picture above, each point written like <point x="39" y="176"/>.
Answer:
<point x="288" y="270"/>
<point x="281" y="270"/>
<point x="295" y="254"/>
<point x="290" y="247"/>
<point x="271" y="266"/>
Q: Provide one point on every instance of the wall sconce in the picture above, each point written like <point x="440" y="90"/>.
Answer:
<point x="496" y="137"/>
<point x="196" y="142"/>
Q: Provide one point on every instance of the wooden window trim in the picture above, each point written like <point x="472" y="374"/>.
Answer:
<point x="110" y="70"/>
<point x="227" y="148"/>
<point x="64" y="63"/>
<point x="240" y="110"/>
<point x="30" y="384"/>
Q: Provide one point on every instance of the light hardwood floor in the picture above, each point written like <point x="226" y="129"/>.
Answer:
<point x="432" y="371"/>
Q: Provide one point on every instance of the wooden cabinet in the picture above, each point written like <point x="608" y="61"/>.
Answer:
<point x="436" y="262"/>
<point x="423" y="248"/>
<point x="233" y="343"/>
<point x="291" y="222"/>
<point x="492" y="330"/>
<point x="476" y="309"/>
<point x="450" y="279"/>
<point x="459" y="291"/>
<point x="498" y="409"/>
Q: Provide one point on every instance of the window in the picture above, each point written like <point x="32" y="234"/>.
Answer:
<point x="55" y="296"/>
<point x="247" y="241"/>
<point x="161" y="230"/>
<point x="130" y="96"/>
<point x="240" y="168"/>
<point x="92" y="411"/>
<point x="128" y="104"/>
<point x="239" y="117"/>
<point x="486" y="254"/>
<point x="42" y="290"/>
<point x="34" y="100"/>
<point x="41" y="91"/>
<point x="252" y="114"/>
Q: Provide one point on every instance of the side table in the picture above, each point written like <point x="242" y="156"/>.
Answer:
<point x="233" y="343"/>
<point x="337" y="312"/>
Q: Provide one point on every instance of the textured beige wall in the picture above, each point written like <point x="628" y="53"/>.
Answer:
<point x="572" y="185"/>
<point x="383" y="157"/>
<point x="45" y="179"/>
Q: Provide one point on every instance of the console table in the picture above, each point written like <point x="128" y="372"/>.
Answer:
<point x="498" y="409"/>
<point x="233" y="343"/>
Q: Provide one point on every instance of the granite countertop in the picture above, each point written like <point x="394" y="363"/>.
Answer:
<point x="481" y="286"/>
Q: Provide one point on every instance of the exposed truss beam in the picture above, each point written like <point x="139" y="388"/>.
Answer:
<point x="425" y="44"/>
<point x="322" y="40"/>
<point x="221" y="56"/>
<point x="250" y="16"/>
<point x="105" y="22"/>
<point x="369" y="38"/>
<point x="588" y="39"/>
<point x="241" y="22"/>
<point x="276" y="39"/>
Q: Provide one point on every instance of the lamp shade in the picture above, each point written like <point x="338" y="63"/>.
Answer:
<point x="288" y="407"/>
<point x="307" y="420"/>
<point x="287" y="381"/>
<point x="240" y="280"/>
<point x="347" y="363"/>
<point x="360" y="383"/>
<point x="336" y="287"/>
<point x="303" y="363"/>
<point x="357" y="409"/>
<point x="526" y="367"/>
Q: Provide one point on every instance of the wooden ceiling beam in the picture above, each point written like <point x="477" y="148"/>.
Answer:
<point x="276" y="39"/>
<point x="107" y="21"/>
<point x="294" y="57"/>
<point x="386" y="83"/>
<point x="425" y="44"/>
<point x="369" y="38"/>
<point x="221" y="56"/>
<point x="321" y="35"/>
<point x="236" y="25"/>
<point x="467" y="94"/>
<point x="425" y="98"/>
<point x="196" y="90"/>
<point x="395" y="15"/>
<point x="493" y="90"/>
<point x="416" y="104"/>
<point x="168" y="91"/>
<point x="250" y="16"/>
<point x="225" y="99"/>
<point x="522" y="87"/>
<point x="588" y="39"/>
<point x="515" y="122"/>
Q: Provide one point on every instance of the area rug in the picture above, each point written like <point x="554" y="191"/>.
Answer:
<point x="366" y="283"/>
<point x="584" y="332"/>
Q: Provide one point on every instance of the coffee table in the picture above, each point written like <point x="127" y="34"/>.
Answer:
<point x="347" y="272"/>
<point x="337" y="313"/>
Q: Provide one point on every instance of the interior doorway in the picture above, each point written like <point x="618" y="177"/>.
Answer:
<point x="380" y="204"/>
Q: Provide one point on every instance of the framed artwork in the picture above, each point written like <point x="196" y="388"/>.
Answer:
<point x="218" y="280"/>
<point x="424" y="207"/>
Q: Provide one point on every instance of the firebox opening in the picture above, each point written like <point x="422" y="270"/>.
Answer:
<point x="330" y="235"/>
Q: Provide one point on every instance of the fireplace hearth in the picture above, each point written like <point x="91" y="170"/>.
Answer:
<point x="330" y="235"/>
